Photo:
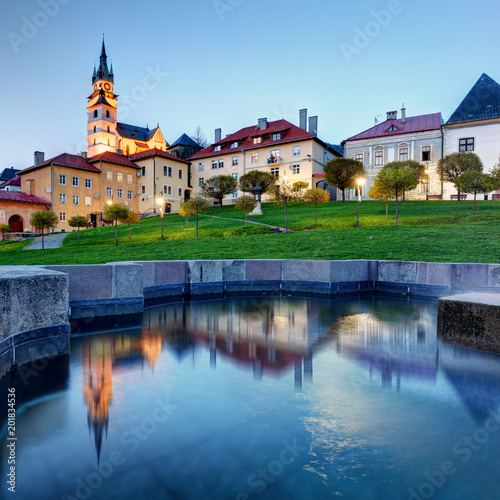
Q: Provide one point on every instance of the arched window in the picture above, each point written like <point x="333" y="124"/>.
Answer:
<point x="108" y="130"/>
<point x="95" y="113"/>
<point x="127" y="151"/>
<point x="95" y="129"/>
<point x="107" y="113"/>
<point x="94" y="142"/>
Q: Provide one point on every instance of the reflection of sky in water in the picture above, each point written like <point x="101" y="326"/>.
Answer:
<point x="206" y="398"/>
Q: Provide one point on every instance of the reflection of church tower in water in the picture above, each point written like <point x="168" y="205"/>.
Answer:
<point x="97" y="387"/>
<point x="151" y="344"/>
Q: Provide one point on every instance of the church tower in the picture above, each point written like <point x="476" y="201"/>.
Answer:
<point x="101" y="110"/>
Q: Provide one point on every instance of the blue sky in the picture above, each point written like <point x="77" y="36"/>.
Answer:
<point x="226" y="63"/>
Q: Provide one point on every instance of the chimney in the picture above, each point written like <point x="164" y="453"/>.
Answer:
<point x="403" y="114"/>
<point x="392" y="115"/>
<point x="83" y="154"/>
<point x="313" y="125"/>
<point x="39" y="157"/>
<point x="119" y="152"/>
<point x="303" y="119"/>
<point x="262" y="123"/>
<point x="218" y="134"/>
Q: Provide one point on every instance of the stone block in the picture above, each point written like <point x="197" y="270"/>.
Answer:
<point x="250" y="287"/>
<point x="349" y="270"/>
<point x="233" y="270"/>
<point x="438" y="274"/>
<point x="396" y="271"/>
<point x="494" y="275"/>
<point x="306" y="270"/>
<point x="148" y="273"/>
<point x="216" y="288"/>
<point x="168" y="272"/>
<point x="307" y="287"/>
<point x="263" y="270"/>
<point x="127" y="280"/>
<point x="204" y="271"/>
<point x="41" y="348"/>
<point x="470" y="274"/>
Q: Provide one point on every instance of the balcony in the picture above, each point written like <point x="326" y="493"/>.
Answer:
<point x="274" y="160"/>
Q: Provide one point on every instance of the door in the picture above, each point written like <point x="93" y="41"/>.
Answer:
<point x="16" y="223"/>
<point x="167" y="208"/>
<point x="93" y="220"/>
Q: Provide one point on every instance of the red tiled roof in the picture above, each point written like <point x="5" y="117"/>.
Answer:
<point x="244" y="137"/>
<point x="110" y="157"/>
<point x="319" y="175"/>
<point x="413" y="124"/>
<point x="156" y="152"/>
<point x="14" y="181"/>
<point x="66" y="160"/>
<point x="22" y="198"/>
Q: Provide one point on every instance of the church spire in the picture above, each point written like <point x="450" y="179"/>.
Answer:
<point x="103" y="72"/>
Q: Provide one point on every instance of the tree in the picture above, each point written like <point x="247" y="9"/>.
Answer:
<point x="257" y="178"/>
<point x="400" y="176"/>
<point x="219" y="186"/>
<point x="43" y="219"/>
<point x="474" y="182"/>
<point x="245" y="203"/>
<point x="130" y="218"/>
<point x="380" y="191"/>
<point x="285" y="193"/>
<point x="194" y="206"/>
<point x="315" y="197"/>
<point x="4" y="228"/>
<point x="455" y="164"/>
<point x="78" y="221"/>
<point x="342" y="173"/>
<point x="200" y="138"/>
<point x="115" y="212"/>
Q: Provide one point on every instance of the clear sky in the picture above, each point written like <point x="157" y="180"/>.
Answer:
<point x="226" y="63"/>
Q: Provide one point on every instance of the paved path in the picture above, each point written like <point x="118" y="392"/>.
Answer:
<point x="51" y="241"/>
<point x="282" y="229"/>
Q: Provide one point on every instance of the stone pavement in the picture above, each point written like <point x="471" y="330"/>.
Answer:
<point x="51" y="241"/>
<point x="281" y="229"/>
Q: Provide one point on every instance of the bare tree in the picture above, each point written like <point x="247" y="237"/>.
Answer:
<point x="200" y="138"/>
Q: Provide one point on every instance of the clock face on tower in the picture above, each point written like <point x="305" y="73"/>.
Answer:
<point x="95" y="86"/>
<point x="107" y="86"/>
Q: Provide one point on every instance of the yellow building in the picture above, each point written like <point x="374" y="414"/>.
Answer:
<point x="289" y="152"/>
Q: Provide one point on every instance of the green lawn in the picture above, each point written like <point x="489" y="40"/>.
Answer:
<point x="439" y="231"/>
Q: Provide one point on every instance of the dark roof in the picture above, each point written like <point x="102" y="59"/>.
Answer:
<point x="134" y="132"/>
<point x="15" y="181"/>
<point x="22" y="198"/>
<point x="102" y="99"/>
<point x="8" y="173"/>
<point x="481" y="103"/>
<point x="65" y="160"/>
<point x="413" y="124"/>
<point x="110" y="157"/>
<point x="184" y="140"/>
<point x="290" y="133"/>
<point x="149" y="153"/>
<point x="103" y="72"/>
<point x="338" y="148"/>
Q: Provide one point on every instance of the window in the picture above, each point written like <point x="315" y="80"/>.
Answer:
<point x="235" y="194"/>
<point x="107" y="115"/>
<point x="108" y="133"/>
<point x="424" y="185"/>
<point x="130" y="195"/>
<point x="275" y="171"/>
<point x="62" y="216"/>
<point x="201" y="166"/>
<point x="234" y="161"/>
<point x="76" y="181"/>
<point x="95" y="113"/>
<point x="167" y="189"/>
<point x="393" y="129"/>
<point x="221" y="163"/>
<point x="119" y="177"/>
<point x="62" y="197"/>
<point x="95" y="130"/>
<point x="255" y="157"/>
<point x="426" y="153"/>
<point x="277" y="137"/>
<point x="88" y="183"/>
<point x="214" y="164"/>
<point x="180" y="192"/>
<point x="359" y="157"/>
<point x="217" y="148"/>
<point x="119" y="193"/>
<point x="109" y="192"/>
<point x="296" y="151"/>
<point x="168" y="171"/>
<point x="88" y="201"/>
<point x="130" y="179"/>
<point x="467" y="144"/>
<point x="201" y="180"/>
<point x="62" y="179"/>
<point x="180" y="173"/>
<point x="76" y="199"/>
<point x="109" y="175"/>
<point x="379" y="158"/>
<point x="235" y="175"/>
<point x="403" y="154"/>
<point x="295" y="169"/>
<point x="143" y="171"/>
<point x="234" y="145"/>
<point x="275" y="154"/>
<point x="143" y="189"/>
<point x="257" y="140"/>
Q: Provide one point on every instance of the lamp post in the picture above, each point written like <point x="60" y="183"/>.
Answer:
<point x="360" y="182"/>
<point x="159" y="201"/>
<point x="257" y="192"/>
<point x="286" y="198"/>
<point x="428" y="173"/>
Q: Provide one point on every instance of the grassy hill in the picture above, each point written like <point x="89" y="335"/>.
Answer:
<point x="439" y="231"/>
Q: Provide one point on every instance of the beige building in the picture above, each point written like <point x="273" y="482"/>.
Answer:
<point x="289" y="152"/>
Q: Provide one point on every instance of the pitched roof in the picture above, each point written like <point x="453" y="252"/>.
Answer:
<point x="8" y="173"/>
<point x="184" y="140"/>
<point x="65" y="160"/>
<point x="134" y="132"/>
<point x="481" y="103"/>
<point x="22" y="198"/>
<point x="14" y="181"/>
<point x="412" y="125"/>
<point x="149" y="153"/>
<point x="244" y="138"/>
<point x="110" y="157"/>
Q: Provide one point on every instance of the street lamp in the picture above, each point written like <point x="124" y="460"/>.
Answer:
<point x="159" y="201"/>
<point x="286" y="198"/>
<point x="360" y="183"/>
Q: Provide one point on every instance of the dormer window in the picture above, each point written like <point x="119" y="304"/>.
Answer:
<point x="277" y="137"/>
<point x="217" y="148"/>
<point x="235" y="144"/>
<point x="393" y="129"/>
<point x="257" y="140"/>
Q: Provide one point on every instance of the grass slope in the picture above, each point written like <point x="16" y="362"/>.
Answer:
<point x="429" y="231"/>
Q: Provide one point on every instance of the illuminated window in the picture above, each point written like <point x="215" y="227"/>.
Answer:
<point x="109" y="175"/>
<point x="426" y="153"/>
<point x="257" y="140"/>
<point x="295" y="169"/>
<point x="255" y="157"/>
<point x="235" y="145"/>
<point x="119" y="177"/>
<point x="62" y="197"/>
<point x="379" y="158"/>
<point x="180" y="173"/>
<point x="88" y="201"/>
<point x="62" y="216"/>
<point x="424" y="185"/>
<point x="275" y="154"/>
<point x="403" y="154"/>
<point x="109" y="192"/>
<point x="296" y="151"/>
<point x="130" y="195"/>
<point x="359" y="157"/>
<point x="62" y="179"/>
<point x="217" y="148"/>
<point x="130" y="179"/>
<point x="234" y="161"/>
<point x="467" y="144"/>
<point x="275" y="171"/>
<point x="119" y="193"/>
<point x="201" y="180"/>
<point x="201" y="166"/>
<point x="88" y="183"/>
<point x="76" y="199"/>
